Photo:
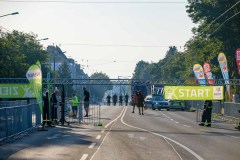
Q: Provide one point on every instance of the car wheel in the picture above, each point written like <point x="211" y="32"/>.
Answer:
<point x="153" y="108"/>
<point x="168" y="109"/>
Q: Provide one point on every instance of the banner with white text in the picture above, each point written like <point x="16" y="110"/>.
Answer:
<point x="16" y="91"/>
<point x="194" y="92"/>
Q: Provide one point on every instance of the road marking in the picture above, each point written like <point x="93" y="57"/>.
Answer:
<point x="230" y="136"/>
<point x="173" y="149"/>
<point x="106" y="135"/>
<point x="176" y="122"/>
<point x="92" y="145"/>
<point x="114" y="119"/>
<point x="171" y="119"/>
<point x="181" y="145"/>
<point x="131" y="135"/>
<point x="186" y="126"/>
<point x="102" y="131"/>
<point x="98" y="137"/>
<point x="84" y="157"/>
<point x="54" y="136"/>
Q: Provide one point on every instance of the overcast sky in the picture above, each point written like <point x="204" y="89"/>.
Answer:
<point x="106" y="37"/>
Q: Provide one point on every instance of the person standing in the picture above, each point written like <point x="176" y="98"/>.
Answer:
<point x="207" y="113"/>
<point x="86" y="97"/>
<point x="46" y="109"/>
<point x="74" y="104"/>
<point x="108" y="100"/>
<point x="135" y="100"/>
<point x="120" y="100"/>
<point x="140" y="102"/>
<point x="115" y="99"/>
<point x="126" y="99"/>
<point x="54" y="105"/>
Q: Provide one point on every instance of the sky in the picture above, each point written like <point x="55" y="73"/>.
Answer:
<point x="104" y="37"/>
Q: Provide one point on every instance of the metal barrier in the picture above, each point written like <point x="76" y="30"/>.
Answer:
<point x="94" y="114"/>
<point x="231" y="109"/>
<point x="12" y="103"/>
<point x="14" y="120"/>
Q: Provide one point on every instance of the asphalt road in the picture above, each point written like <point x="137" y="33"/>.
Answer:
<point x="156" y="135"/>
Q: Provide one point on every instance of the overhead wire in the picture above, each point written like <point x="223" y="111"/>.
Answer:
<point x="95" y="2"/>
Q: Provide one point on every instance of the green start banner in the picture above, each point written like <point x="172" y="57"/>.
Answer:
<point x="16" y="91"/>
<point x="193" y="92"/>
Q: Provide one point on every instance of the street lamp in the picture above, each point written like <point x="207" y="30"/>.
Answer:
<point x="10" y="14"/>
<point x="43" y="39"/>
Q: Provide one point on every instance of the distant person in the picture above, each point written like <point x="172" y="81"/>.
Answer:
<point x="207" y="113"/>
<point x="109" y="100"/>
<point x="86" y="97"/>
<point x="126" y="99"/>
<point x="140" y="102"/>
<point x="135" y="100"/>
<point x="54" y="105"/>
<point x="115" y="99"/>
<point x="46" y="109"/>
<point x="74" y="104"/>
<point x="120" y="100"/>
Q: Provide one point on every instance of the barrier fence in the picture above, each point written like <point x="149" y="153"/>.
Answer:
<point x="17" y="119"/>
<point x="94" y="114"/>
<point x="226" y="113"/>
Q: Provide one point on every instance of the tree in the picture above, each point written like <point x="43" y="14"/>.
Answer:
<point x="65" y="73"/>
<point x="97" y="91"/>
<point x="18" y="51"/>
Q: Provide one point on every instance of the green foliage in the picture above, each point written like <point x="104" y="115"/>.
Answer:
<point x="18" y="51"/>
<point x="65" y="72"/>
<point x="97" y="91"/>
<point x="216" y="32"/>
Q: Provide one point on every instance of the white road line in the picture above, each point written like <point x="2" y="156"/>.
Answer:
<point x="92" y="145"/>
<point x="102" y="131"/>
<point x="176" y="122"/>
<point x="98" y="137"/>
<point x="173" y="149"/>
<point x="179" y="144"/>
<point x="84" y="157"/>
<point x="106" y="136"/>
<point x="171" y="119"/>
<point x="186" y="126"/>
<point x="230" y="136"/>
<point x="114" y="119"/>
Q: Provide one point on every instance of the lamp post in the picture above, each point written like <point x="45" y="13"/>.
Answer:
<point x="43" y="39"/>
<point x="10" y="14"/>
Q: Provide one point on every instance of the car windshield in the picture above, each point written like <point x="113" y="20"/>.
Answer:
<point x="158" y="98"/>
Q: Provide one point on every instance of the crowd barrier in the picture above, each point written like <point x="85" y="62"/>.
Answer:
<point x="94" y="114"/>
<point x="17" y="119"/>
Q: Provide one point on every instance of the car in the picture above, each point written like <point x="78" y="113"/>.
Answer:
<point x="156" y="101"/>
<point x="176" y="104"/>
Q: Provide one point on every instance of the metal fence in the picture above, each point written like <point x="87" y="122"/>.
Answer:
<point x="12" y="103"/>
<point x="94" y="114"/>
<point x="17" y="119"/>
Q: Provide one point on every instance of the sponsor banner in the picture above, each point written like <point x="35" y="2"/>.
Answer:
<point x="16" y="91"/>
<point x="34" y="76"/>
<point x="208" y="72"/>
<point x="224" y="68"/>
<point x="193" y="92"/>
<point x="199" y="74"/>
<point x="237" y="55"/>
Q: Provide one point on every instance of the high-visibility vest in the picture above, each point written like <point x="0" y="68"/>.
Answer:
<point x="75" y="101"/>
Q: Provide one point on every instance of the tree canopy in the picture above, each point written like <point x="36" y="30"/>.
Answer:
<point x="20" y="50"/>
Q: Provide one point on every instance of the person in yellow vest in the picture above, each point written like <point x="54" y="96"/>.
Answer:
<point x="74" y="104"/>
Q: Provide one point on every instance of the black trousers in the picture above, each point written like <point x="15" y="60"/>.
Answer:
<point x="207" y="116"/>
